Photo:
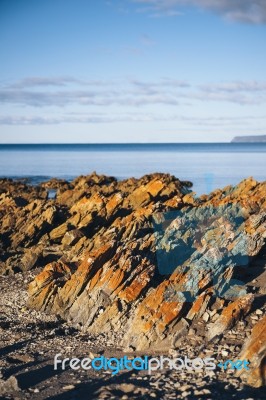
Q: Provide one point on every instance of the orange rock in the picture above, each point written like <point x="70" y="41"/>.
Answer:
<point x="254" y="351"/>
<point x="232" y="313"/>
<point x="106" y="229"/>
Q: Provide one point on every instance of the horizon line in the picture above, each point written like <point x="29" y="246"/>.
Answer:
<point x="131" y="143"/>
<point x="117" y="143"/>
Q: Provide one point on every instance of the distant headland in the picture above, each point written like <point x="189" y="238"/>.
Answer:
<point x="249" y="139"/>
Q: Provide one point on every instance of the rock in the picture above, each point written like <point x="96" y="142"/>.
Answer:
<point x="120" y="264"/>
<point x="200" y="304"/>
<point x="68" y="387"/>
<point x="192" y="332"/>
<point x="126" y="387"/>
<point x="232" y="313"/>
<point x="23" y="358"/>
<point x="185" y="394"/>
<point x="202" y="392"/>
<point x="183" y="388"/>
<point x="224" y="353"/>
<point x="9" y="386"/>
<point x="72" y="237"/>
<point x="58" y="233"/>
<point x="254" y="350"/>
<point x="181" y="329"/>
<point x="138" y="261"/>
<point x="205" y="317"/>
<point x="31" y="258"/>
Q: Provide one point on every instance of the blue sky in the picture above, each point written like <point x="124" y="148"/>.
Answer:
<point x="132" y="71"/>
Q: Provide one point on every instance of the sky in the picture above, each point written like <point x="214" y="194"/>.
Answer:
<point x="108" y="71"/>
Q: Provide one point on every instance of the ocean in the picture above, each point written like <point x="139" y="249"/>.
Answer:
<point x="207" y="165"/>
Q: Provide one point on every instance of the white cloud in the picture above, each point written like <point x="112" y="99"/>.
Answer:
<point x="129" y="93"/>
<point x="248" y="11"/>
<point x="36" y="81"/>
<point x="236" y="87"/>
<point x="103" y="118"/>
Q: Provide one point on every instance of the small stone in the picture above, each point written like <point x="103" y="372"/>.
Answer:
<point x="191" y="332"/>
<point x="184" y="387"/>
<point x="215" y="317"/>
<point x="259" y="312"/>
<point x="68" y="387"/>
<point x="173" y="353"/>
<point x="126" y="387"/>
<point x="198" y="392"/>
<point x="9" y="386"/>
<point x="206" y="317"/>
<point x="224" y="353"/>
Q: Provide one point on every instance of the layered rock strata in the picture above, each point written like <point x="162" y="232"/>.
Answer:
<point x="144" y="258"/>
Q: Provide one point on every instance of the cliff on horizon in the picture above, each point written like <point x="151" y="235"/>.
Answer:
<point x="249" y="139"/>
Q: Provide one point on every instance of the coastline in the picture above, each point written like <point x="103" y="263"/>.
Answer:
<point x="208" y="165"/>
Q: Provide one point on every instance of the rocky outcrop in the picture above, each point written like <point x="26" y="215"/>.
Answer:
<point x="140" y="259"/>
<point x="254" y="350"/>
<point x="249" y="139"/>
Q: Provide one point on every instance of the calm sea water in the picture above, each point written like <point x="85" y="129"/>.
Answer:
<point x="208" y="166"/>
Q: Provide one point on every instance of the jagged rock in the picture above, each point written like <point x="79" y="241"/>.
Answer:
<point x="200" y="304"/>
<point x="31" y="257"/>
<point x="72" y="237"/>
<point x="118" y="285"/>
<point x="254" y="351"/>
<point x="232" y="313"/>
<point x="141" y="257"/>
<point x="59" y="232"/>
<point x="181" y="329"/>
